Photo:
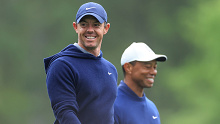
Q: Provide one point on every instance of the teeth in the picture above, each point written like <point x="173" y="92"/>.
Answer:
<point x="151" y="79"/>
<point x="90" y="37"/>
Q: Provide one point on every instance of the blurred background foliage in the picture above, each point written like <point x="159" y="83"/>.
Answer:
<point x="187" y="86"/>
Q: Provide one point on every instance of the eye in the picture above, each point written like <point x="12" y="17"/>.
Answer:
<point x="147" y="66"/>
<point x="97" y="24"/>
<point x="83" y="24"/>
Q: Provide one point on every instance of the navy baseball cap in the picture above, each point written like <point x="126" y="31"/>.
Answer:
<point x="93" y="9"/>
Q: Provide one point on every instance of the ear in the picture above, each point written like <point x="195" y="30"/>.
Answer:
<point x="75" y="26"/>
<point x="106" y="28"/>
<point x="128" y="68"/>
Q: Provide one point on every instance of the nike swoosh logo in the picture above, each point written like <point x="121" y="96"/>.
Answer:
<point x="109" y="73"/>
<point x="90" y="8"/>
<point x="154" y="117"/>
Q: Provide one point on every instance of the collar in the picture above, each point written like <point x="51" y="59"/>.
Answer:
<point x="83" y="50"/>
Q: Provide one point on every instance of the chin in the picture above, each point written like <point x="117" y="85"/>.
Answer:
<point x="91" y="47"/>
<point x="149" y="86"/>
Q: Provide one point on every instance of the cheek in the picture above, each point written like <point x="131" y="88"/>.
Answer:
<point x="81" y="30"/>
<point x="100" y="31"/>
<point x="136" y="73"/>
<point x="143" y="72"/>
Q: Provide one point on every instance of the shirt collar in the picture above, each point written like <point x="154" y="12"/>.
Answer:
<point x="83" y="50"/>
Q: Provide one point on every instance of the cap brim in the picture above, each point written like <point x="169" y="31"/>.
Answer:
<point x="93" y="14"/>
<point x="161" y="58"/>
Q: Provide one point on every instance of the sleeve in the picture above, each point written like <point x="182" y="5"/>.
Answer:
<point x="62" y="92"/>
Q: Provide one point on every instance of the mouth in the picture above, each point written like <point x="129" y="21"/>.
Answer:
<point x="151" y="80"/>
<point x="90" y="37"/>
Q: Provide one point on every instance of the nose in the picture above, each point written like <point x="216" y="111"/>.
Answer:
<point x="154" y="71"/>
<point x="90" y="29"/>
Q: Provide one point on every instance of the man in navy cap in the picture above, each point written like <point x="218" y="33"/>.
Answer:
<point x="81" y="84"/>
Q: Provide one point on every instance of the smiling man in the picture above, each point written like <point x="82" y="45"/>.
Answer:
<point x="82" y="84"/>
<point x="139" y="64"/>
<point x="90" y="31"/>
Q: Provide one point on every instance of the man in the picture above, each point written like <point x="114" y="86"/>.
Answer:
<point x="139" y="64"/>
<point x="81" y="84"/>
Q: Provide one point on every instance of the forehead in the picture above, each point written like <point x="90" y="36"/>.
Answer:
<point x="89" y="18"/>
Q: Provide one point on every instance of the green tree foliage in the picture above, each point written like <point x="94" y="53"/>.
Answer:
<point x="196" y="82"/>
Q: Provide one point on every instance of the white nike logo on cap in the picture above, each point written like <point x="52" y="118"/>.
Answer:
<point x="90" y="8"/>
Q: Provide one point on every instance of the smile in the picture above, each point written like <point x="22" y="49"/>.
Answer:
<point x="151" y="79"/>
<point x="90" y="37"/>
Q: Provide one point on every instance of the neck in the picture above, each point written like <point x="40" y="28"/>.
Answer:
<point x="139" y="91"/>
<point x="93" y="51"/>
